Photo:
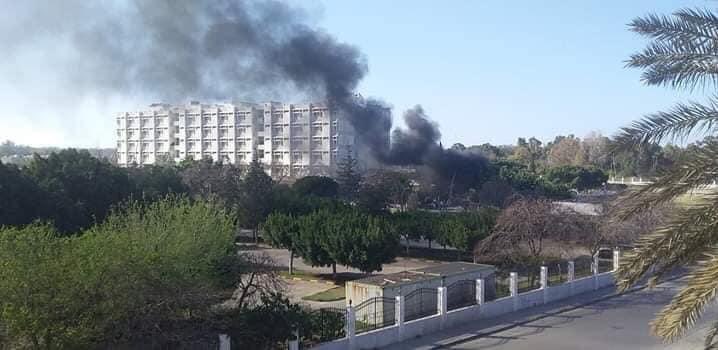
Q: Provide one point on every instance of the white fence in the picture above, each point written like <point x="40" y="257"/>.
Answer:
<point x="445" y="319"/>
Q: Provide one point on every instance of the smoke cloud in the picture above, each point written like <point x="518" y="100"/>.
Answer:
<point x="175" y="50"/>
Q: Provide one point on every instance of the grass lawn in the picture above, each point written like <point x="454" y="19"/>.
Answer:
<point x="333" y="294"/>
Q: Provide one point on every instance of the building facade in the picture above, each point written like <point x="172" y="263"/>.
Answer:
<point x="289" y="140"/>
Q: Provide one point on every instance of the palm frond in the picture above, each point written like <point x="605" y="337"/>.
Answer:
<point x="710" y="337"/>
<point x="686" y="307"/>
<point x="684" y="53"/>
<point x="698" y="169"/>
<point x="686" y="24"/>
<point x="677" y="124"/>
<point x="684" y="240"/>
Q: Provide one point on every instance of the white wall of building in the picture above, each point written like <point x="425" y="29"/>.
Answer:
<point x="289" y="140"/>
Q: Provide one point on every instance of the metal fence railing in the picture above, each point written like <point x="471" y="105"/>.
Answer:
<point x="557" y="273"/>
<point x="380" y="312"/>
<point x="327" y="324"/>
<point x="605" y="265"/>
<point x="460" y="293"/>
<point x="502" y="287"/>
<point x="582" y="267"/>
<point x="529" y="279"/>
<point x="420" y="303"/>
<point x="374" y="313"/>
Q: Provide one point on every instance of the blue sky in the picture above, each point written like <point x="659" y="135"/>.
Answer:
<point x="492" y="71"/>
<point x="486" y="71"/>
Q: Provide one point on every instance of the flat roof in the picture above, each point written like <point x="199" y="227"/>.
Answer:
<point x="395" y="279"/>
<point x="424" y="274"/>
<point x="454" y="268"/>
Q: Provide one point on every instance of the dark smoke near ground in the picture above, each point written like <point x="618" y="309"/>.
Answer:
<point x="175" y="50"/>
<point x="419" y="144"/>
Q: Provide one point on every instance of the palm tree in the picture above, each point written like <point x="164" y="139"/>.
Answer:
<point x="683" y="54"/>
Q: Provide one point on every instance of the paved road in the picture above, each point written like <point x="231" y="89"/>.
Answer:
<point x="613" y="322"/>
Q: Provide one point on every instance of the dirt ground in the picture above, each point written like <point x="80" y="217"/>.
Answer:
<point x="296" y="289"/>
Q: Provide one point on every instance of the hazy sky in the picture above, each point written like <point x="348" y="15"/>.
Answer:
<point x="486" y="71"/>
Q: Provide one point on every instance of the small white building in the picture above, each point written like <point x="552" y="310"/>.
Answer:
<point x="403" y="283"/>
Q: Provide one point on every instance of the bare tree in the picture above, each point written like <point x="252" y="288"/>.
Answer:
<point x="598" y="229"/>
<point x="522" y="230"/>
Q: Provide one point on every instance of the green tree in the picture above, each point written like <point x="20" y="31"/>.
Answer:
<point x="155" y="182"/>
<point x="21" y="198"/>
<point x="375" y="245"/>
<point x="150" y="274"/>
<point x="255" y="198"/>
<point x="575" y="177"/>
<point x="80" y="188"/>
<point x="682" y="55"/>
<point x="312" y="239"/>
<point x="348" y="176"/>
<point x="408" y="225"/>
<point x="282" y="231"/>
<point x="320" y="186"/>
<point x="359" y="240"/>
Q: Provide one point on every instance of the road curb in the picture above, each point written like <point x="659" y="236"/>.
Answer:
<point x="489" y="333"/>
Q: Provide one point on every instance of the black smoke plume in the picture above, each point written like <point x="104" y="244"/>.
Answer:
<point x="218" y="49"/>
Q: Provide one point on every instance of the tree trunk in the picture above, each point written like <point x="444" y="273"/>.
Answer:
<point x="334" y="271"/>
<point x="291" y="262"/>
<point x="429" y="243"/>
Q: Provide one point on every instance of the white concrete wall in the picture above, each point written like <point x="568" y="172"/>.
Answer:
<point x="339" y="344"/>
<point x="377" y="338"/>
<point x="421" y="326"/>
<point x="435" y="323"/>
<point x="582" y="285"/>
<point x="497" y="307"/>
<point x="561" y="291"/>
<point x="530" y="299"/>
<point x="606" y="279"/>
<point x="462" y="316"/>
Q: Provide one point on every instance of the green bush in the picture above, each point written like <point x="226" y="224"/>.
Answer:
<point x="144" y="271"/>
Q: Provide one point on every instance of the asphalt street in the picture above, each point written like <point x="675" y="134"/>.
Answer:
<point x="597" y="321"/>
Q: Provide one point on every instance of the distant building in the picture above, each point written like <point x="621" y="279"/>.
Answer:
<point x="289" y="140"/>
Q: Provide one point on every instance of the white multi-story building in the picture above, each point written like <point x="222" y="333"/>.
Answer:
<point x="289" y="140"/>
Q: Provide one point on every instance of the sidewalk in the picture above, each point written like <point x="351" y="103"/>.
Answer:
<point x="596" y="320"/>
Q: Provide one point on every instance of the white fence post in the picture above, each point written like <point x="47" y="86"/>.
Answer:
<point x="350" y="325"/>
<point x="571" y="276"/>
<point x="225" y="342"/>
<point x="442" y="300"/>
<point x="616" y="258"/>
<point x="480" y="293"/>
<point x="399" y="314"/>
<point x="544" y="283"/>
<point x="514" y="288"/>
<point x="594" y="268"/>
<point x="294" y="344"/>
